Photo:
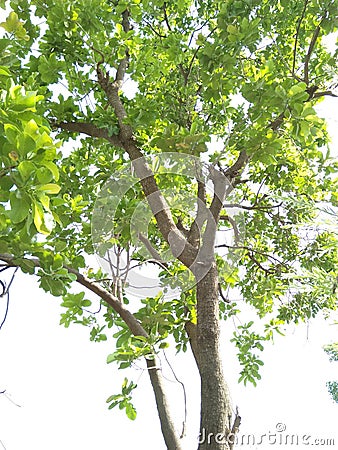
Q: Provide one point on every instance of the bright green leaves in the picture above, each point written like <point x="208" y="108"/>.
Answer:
<point x="19" y="100"/>
<point x="123" y="400"/>
<point x="75" y="300"/>
<point x="42" y="222"/>
<point x="298" y="92"/>
<point x="25" y="144"/>
<point x="158" y="319"/>
<point x="76" y="312"/>
<point x="49" y="68"/>
<point x="130" y="348"/>
<point x="29" y="153"/>
<point x="246" y="341"/>
<point x="54" y="278"/>
<point x="49" y="188"/>
<point x="14" y="26"/>
<point x="179" y="140"/>
<point x="4" y="72"/>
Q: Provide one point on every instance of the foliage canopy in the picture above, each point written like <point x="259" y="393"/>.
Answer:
<point x="87" y="87"/>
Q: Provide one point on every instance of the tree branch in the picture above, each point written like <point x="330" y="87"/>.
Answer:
<point x="90" y="130"/>
<point x="130" y="320"/>
<point x="5" y="170"/>
<point x="166" y="19"/>
<point x="191" y="330"/>
<point x="171" y="437"/>
<point x="253" y="207"/>
<point x="235" y="427"/>
<point x="323" y="94"/>
<point x="252" y="250"/>
<point x="153" y="252"/>
<point x="180" y="248"/>
<point x="309" y="53"/>
<point x="167" y="426"/>
<point x="234" y="227"/>
<point x="238" y="166"/>
<point x="296" y="38"/>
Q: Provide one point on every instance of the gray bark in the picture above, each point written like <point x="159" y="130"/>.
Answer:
<point x="216" y="411"/>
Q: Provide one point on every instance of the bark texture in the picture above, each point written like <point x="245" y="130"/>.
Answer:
<point x="170" y="435"/>
<point x="216" y="411"/>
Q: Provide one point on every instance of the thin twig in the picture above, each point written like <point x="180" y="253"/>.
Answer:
<point x="195" y="53"/>
<point x="5" y="170"/>
<point x="323" y="94"/>
<point x="253" y="207"/>
<point x="155" y="31"/>
<point x="234" y="226"/>
<point x="252" y="250"/>
<point x="223" y="297"/>
<point x="166" y="19"/>
<point x="7" y="301"/>
<point x="184" y="395"/>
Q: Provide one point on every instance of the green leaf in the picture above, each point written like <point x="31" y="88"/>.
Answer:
<point x="32" y="129"/>
<point x="164" y="345"/>
<point x="43" y="221"/>
<point x="20" y="207"/>
<point x="26" y="169"/>
<point x="12" y="133"/>
<point x="232" y="29"/>
<point x="52" y="167"/>
<point x="86" y="303"/>
<point x="110" y="358"/>
<point x="27" y="266"/>
<point x="124" y="365"/>
<point x="49" y="188"/>
<point x="3" y="71"/>
<point x="44" y="176"/>
<point x="26" y="144"/>
<point x="131" y="411"/>
<point x="54" y="286"/>
<point x="12" y="22"/>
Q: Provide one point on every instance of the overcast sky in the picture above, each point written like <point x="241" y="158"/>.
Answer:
<point x="61" y="382"/>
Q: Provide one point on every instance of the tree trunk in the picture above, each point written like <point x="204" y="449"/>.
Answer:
<point x="216" y="411"/>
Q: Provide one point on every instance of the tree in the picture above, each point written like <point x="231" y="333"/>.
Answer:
<point x="75" y="140"/>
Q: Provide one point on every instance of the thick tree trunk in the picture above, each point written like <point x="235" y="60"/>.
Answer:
<point x="216" y="411"/>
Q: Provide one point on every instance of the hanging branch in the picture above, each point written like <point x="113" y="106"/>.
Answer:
<point x="9" y="398"/>
<point x="6" y="292"/>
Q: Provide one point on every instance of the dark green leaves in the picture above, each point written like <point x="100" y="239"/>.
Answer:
<point x="20" y="206"/>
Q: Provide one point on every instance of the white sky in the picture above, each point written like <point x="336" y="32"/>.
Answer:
<point x="61" y="381"/>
